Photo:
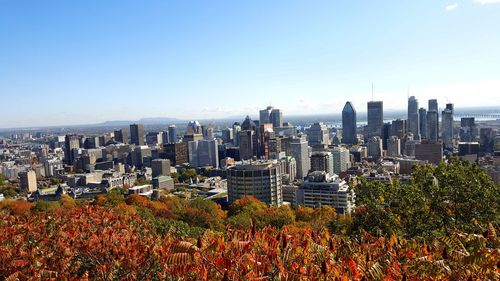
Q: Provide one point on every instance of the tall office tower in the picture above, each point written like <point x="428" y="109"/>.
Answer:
<point x="300" y="151"/>
<point x="322" y="161"/>
<point x="468" y="129"/>
<point x="422" y="121"/>
<point x="210" y="133"/>
<point x="318" y="134"/>
<point x="349" y="126"/>
<point x="227" y="135"/>
<point x="447" y="126"/>
<point x="341" y="159"/>
<point x="121" y="136"/>
<point x="288" y="168"/>
<point x="236" y="133"/>
<point x="246" y="144"/>
<point x="71" y="142"/>
<point x="375" y="118"/>
<point x="193" y="127"/>
<point x="91" y="142"/>
<point x="261" y="179"/>
<point x="27" y="181"/>
<point x="398" y="128"/>
<point x="172" y="134"/>
<point x="177" y="153"/>
<point x="433" y="105"/>
<point x="154" y="138"/>
<point x="265" y="134"/>
<point x="374" y="147"/>
<point x="137" y="134"/>
<point x="394" y="146"/>
<point x="250" y="125"/>
<point x="413" y="119"/>
<point x="203" y="153"/>
<point x="160" y="167"/>
<point x="265" y="115"/>
<point x="386" y="133"/>
<point x="432" y="126"/>
<point x="410" y="143"/>
<point x="276" y="118"/>
<point x="165" y="137"/>
<point x="486" y="139"/>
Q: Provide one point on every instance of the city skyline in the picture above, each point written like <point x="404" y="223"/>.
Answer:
<point x="90" y="62"/>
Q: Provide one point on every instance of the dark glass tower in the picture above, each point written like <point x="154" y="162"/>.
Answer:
<point x="349" y="129"/>
<point x="375" y="118"/>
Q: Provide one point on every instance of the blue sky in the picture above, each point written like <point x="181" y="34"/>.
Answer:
<point x="74" y="62"/>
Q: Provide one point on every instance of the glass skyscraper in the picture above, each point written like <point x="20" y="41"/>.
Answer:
<point x="349" y="127"/>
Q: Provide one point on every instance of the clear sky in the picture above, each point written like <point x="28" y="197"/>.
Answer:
<point x="73" y="62"/>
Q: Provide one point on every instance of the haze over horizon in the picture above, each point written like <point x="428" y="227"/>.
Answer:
<point x="66" y="63"/>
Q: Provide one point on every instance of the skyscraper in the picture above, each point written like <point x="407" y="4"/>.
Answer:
<point x="413" y="119"/>
<point x="265" y="115"/>
<point x="432" y="126"/>
<point x="398" y="128"/>
<point x="172" y="134"/>
<point x="71" y="142"/>
<point x="447" y="126"/>
<point x="203" y="153"/>
<point x="433" y="105"/>
<point x="160" y="167"/>
<point x="394" y="146"/>
<point x="349" y="126"/>
<point x="137" y="134"/>
<point x="300" y="151"/>
<point x="322" y="161"/>
<point x="276" y="118"/>
<point x="375" y="118"/>
<point x="246" y="144"/>
<point x="341" y="159"/>
<point x="318" y="134"/>
<point x="375" y="147"/>
<point x="121" y="136"/>
<point x="422" y="121"/>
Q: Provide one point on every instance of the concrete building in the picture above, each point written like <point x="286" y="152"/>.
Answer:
<point x="429" y="151"/>
<point x="432" y="125"/>
<point x="163" y="182"/>
<point x="288" y="168"/>
<point x="413" y="118"/>
<point x="394" y="146"/>
<point x="261" y="179"/>
<point x="203" y="153"/>
<point x="300" y="151"/>
<point x="375" y="149"/>
<point x="271" y="115"/>
<point x="71" y="143"/>
<point x="121" y="136"/>
<point x="375" y="119"/>
<point x="160" y="167"/>
<point x="341" y="159"/>
<point x="137" y="134"/>
<point x="318" y="134"/>
<point x="246" y="140"/>
<point x="422" y="121"/>
<point x="349" y="124"/>
<point x="487" y="139"/>
<point x="177" y="153"/>
<point x="28" y="181"/>
<point x="322" y="162"/>
<point x="447" y="126"/>
<point x="322" y="189"/>
<point x="468" y="129"/>
<point x="154" y="138"/>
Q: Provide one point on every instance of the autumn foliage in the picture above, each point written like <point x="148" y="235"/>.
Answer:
<point x="93" y="242"/>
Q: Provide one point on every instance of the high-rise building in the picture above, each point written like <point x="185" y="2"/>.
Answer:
<point x="137" y="134"/>
<point x="322" y="189"/>
<point x="28" y="181"/>
<point x="227" y="135"/>
<point x="265" y="115"/>
<point x="322" y="161"/>
<point x="154" y="138"/>
<point x="447" y="126"/>
<point x="71" y="142"/>
<point x="398" y="128"/>
<point x="194" y="127"/>
<point x="394" y="146"/>
<point x="413" y="118"/>
<point x="300" y="151"/>
<point x="276" y="118"/>
<point x="236" y="131"/>
<point x="172" y="134"/>
<point x="429" y="151"/>
<point x="349" y="125"/>
<point x="468" y="129"/>
<point x="203" y="153"/>
<point x="433" y="105"/>
<point x="160" y="167"/>
<point x="121" y="136"/>
<point x="386" y="133"/>
<point x="246" y="144"/>
<point x="375" y="119"/>
<point x="374" y="147"/>
<point x="341" y="159"/>
<point x="261" y="179"/>
<point x="410" y="143"/>
<point x="177" y="153"/>
<point x="318" y="134"/>
<point x="432" y="125"/>
<point x="422" y="121"/>
<point x="486" y="139"/>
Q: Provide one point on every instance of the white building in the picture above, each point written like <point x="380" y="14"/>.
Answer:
<point x="203" y="153"/>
